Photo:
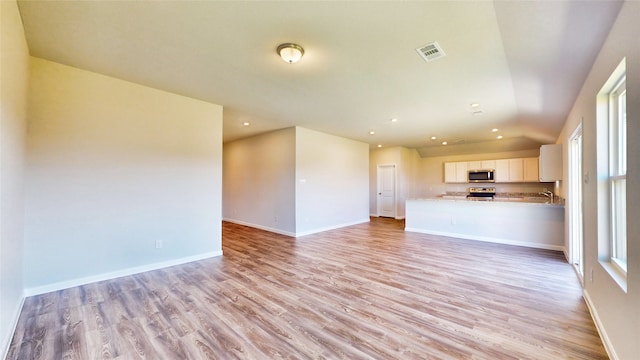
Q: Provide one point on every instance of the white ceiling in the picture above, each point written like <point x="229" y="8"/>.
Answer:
<point x="522" y="61"/>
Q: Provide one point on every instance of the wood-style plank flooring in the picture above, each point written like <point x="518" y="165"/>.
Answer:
<point x="369" y="291"/>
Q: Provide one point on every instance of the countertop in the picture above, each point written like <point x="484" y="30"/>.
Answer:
<point x="525" y="200"/>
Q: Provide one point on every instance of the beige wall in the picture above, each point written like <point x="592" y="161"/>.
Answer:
<point x="259" y="181"/>
<point x="295" y="181"/>
<point x="331" y="181"/>
<point x="407" y="163"/>
<point x="113" y="169"/>
<point x="14" y="73"/>
<point x="617" y="312"/>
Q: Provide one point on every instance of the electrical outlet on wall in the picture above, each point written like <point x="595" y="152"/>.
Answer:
<point x="591" y="275"/>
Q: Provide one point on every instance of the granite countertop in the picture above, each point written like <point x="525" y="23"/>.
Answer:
<point x="501" y="198"/>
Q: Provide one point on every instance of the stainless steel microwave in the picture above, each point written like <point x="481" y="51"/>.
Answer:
<point x="481" y="176"/>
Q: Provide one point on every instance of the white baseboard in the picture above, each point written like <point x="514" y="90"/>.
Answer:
<point x="261" y="227"/>
<point x="116" y="274"/>
<point x="5" y="342"/>
<point x="297" y="234"/>
<point x="488" y="239"/>
<point x="333" y="227"/>
<point x="600" y="327"/>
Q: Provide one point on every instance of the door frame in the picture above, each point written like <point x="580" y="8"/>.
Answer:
<point x="379" y="189"/>
<point x="575" y="214"/>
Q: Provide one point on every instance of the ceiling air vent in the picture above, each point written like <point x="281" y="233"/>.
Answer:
<point x="431" y="51"/>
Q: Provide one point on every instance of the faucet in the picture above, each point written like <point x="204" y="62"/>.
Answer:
<point x="549" y="194"/>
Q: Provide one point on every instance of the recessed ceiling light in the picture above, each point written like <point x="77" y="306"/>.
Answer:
<point x="494" y="130"/>
<point x="444" y="143"/>
<point x="372" y="132"/>
<point x="433" y="138"/>
<point x="394" y="120"/>
<point x="379" y="145"/>
<point x="246" y="123"/>
<point x="475" y="105"/>
<point x="499" y="137"/>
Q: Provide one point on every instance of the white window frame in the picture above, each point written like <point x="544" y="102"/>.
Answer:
<point x="618" y="173"/>
<point x="611" y="145"/>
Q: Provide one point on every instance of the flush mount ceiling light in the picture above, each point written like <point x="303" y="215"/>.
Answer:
<point x="289" y="52"/>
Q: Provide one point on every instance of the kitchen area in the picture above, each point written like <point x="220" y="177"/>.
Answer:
<point x="479" y="202"/>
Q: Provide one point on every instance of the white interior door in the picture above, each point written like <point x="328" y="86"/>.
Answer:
<point x="575" y="201"/>
<point x="387" y="190"/>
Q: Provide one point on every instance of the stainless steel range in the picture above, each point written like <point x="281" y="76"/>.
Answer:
<point x="481" y="193"/>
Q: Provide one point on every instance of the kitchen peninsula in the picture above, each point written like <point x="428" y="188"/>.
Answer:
<point x="525" y="221"/>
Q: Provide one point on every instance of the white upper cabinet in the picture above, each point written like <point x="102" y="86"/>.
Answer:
<point x="517" y="170"/>
<point x="502" y="170"/>
<point x="488" y="164"/>
<point x="530" y="166"/>
<point x="474" y="165"/>
<point x="455" y="172"/>
<point x="481" y="165"/>
<point x="506" y="170"/>
<point x="550" y="163"/>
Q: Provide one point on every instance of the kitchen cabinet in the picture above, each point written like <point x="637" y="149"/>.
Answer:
<point x="488" y="164"/>
<point x="517" y="170"/>
<point x="455" y="172"/>
<point x="550" y="167"/>
<point x="474" y="165"/>
<point x="502" y="170"/>
<point x="481" y="165"/>
<point x="506" y="170"/>
<point x="530" y="166"/>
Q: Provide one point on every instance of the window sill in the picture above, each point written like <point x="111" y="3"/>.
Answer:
<point x="616" y="273"/>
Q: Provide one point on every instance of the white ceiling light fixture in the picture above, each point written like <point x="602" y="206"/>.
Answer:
<point x="494" y="130"/>
<point x="290" y="52"/>
<point x="372" y="132"/>
<point x="379" y="145"/>
<point x="246" y="123"/>
<point x="394" y="120"/>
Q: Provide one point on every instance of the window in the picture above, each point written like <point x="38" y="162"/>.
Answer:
<point x="611" y="163"/>
<point x="618" y="172"/>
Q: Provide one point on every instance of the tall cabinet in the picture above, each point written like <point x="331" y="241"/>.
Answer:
<point x="550" y="167"/>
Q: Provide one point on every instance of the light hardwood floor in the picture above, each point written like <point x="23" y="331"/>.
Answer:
<point x="368" y="291"/>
